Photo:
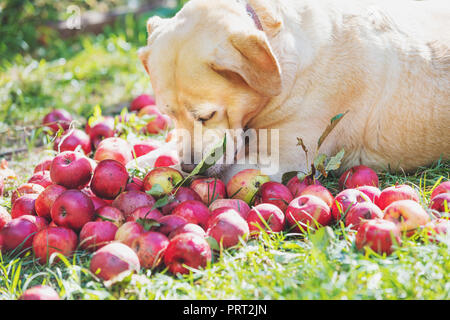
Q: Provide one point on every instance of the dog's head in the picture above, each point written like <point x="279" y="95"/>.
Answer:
<point x="211" y="66"/>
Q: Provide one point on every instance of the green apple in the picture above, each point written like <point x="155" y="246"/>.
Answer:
<point x="161" y="181"/>
<point x="245" y="184"/>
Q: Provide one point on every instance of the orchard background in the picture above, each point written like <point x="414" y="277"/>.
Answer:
<point x="41" y="68"/>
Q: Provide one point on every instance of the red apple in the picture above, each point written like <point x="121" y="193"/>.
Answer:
<point x="46" y="199"/>
<point x="141" y="101"/>
<point x="145" y="213"/>
<point x="395" y="193"/>
<point x="72" y="209"/>
<point x="209" y="189"/>
<point x="379" y="235"/>
<point x="135" y="184"/>
<point x="41" y="178"/>
<point x="194" y="212"/>
<point x="112" y="260"/>
<point x="274" y="193"/>
<point x="441" y="202"/>
<point x="182" y="194"/>
<point x="237" y="204"/>
<point x="40" y="293"/>
<point x="245" y="184"/>
<point x="372" y="192"/>
<point x="56" y="119"/>
<point x="128" y="232"/>
<point x="102" y="130"/>
<point x="436" y="228"/>
<point x="187" y="249"/>
<point x="129" y="201"/>
<point x="54" y="240"/>
<point x="264" y="215"/>
<point x="111" y="214"/>
<point x="114" y="149"/>
<point x="159" y="123"/>
<point x="27" y="188"/>
<point x="444" y="187"/>
<point x="228" y="229"/>
<point x="167" y="178"/>
<point x="320" y="192"/>
<point x="169" y="223"/>
<point x="165" y="161"/>
<point x="307" y="212"/>
<point x="358" y="176"/>
<point x="5" y="217"/>
<point x="144" y="147"/>
<point x="98" y="203"/>
<point x="71" y="170"/>
<point x="39" y="222"/>
<point x="110" y="179"/>
<point x="17" y="235"/>
<point x="345" y="200"/>
<point x="296" y="186"/>
<point x="70" y="141"/>
<point x="97" y="234"/>
<point x="24" y="206"/>
<point x="189" y="227"/>
<point x="150" y="247"/>
<point x="408" y="214"/>
<point x="44" y="165"/>
<point x="361" y="212"/>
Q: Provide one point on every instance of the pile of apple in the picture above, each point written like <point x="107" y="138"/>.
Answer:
<point x="129" y="222"/>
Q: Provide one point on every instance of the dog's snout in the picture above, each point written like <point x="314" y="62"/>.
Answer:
<point x="188" y="167"/>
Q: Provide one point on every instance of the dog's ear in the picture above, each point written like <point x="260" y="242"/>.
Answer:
<point x="270" y="18"/>
<point x="153" y="23"/>
<point x="253" y="59"/>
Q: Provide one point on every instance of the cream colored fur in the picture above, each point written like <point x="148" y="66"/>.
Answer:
<point x="386" y="62"/>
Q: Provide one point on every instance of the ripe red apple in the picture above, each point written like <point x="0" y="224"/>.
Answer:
<point x="394" y="193"/>
<point x="187" y="249"/>
<point x="182" y="194"/>
<point x="150" y="248"/>
<point x="372" y="192"/>
<point x="345" y="200"/>
<point x="144" y="147"/>
<point x="46" y="199"/>
<point x="441" y="202"/>
<point x="41" y="178"/>
<point x="54" y="240"/>
<point x="320" y="192"/>
<point x="358" y="176"/>
<point x="307" y="212"/>
<point x="129" y="201"/>
<point x="145" y="213"/>
<point x="169" y="223"/>
<point x="361" y="212"/>
<point x="165" y="161"/>
<point x="44" y="165"/>
<point x="17" y="235"/>
<point x="194" y="212"/>
<point x="5" y="217"/>
<point x="265" y="214"/>
<point x="96" y="234"/>
<point x="70" y="140"/>
<point x="436" y="228"/>
<point x="237" y="204"/>
<point x="379" y="235"/>
<point x="189" y="227"/>
<point x="296" y="186"/>
<point x="24" y="206"/>
<point x="408" y="214"/>
<point x="40" y="293"/>
<point x="27" y="188"/>
<point x="159" y="123"/>
<point x="71" y="170"/>
<point x="56" y="119"/>
<point x="115" y="149"/>
<point x="72" y="209"/>
<point x="209" y="189"/>
<point x="102" y="130"/>
<point x="111" y="214"/>
<point x="113" y="259"/>
<point x="135" y="184"/>
<point x="110" y="179"/>
<point x="228" y="229"/>
<point x="274" y="193"/>
<point x="142" y="101"/>
<point x="444" y="187"/>
<point x="245" y="184"/>
<point x="39" y="222"/>
<point x="167" y="178"/>
<point x="128" y="232"/>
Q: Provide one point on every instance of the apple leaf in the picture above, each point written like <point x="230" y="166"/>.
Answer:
<point x="148" y="223"/>
<point x="214" y="245"/>
<point x="288" y="176"/>
<point x="333" y="123"/>
<point x="335" y="162"/>
<point x="319" y="164"/>
<point x="161" y="202"/>
<point x="156" y="191"/>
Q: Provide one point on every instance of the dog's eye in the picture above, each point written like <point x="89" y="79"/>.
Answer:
<point x="209" y="117"/>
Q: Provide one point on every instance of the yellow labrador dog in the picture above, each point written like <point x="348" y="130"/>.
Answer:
<point x="292" y="65"/>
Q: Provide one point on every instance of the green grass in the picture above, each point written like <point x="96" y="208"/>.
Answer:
<point x="104" y="70"/>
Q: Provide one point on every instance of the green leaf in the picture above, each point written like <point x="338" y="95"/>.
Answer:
<point x="213" y="243"/>
<point x="156" y="190"/>
<point x="319" y="164"/>
<point x="335" y="162"/>
<point x="322" y="237"/>
<point x="288" y="176"/>
<point x="148" y="223"/>
<point x="333" y="123"/>
<point x="161" y="202"/>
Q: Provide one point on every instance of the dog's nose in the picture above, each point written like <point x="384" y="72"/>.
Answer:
<point x="187" y="167"/>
